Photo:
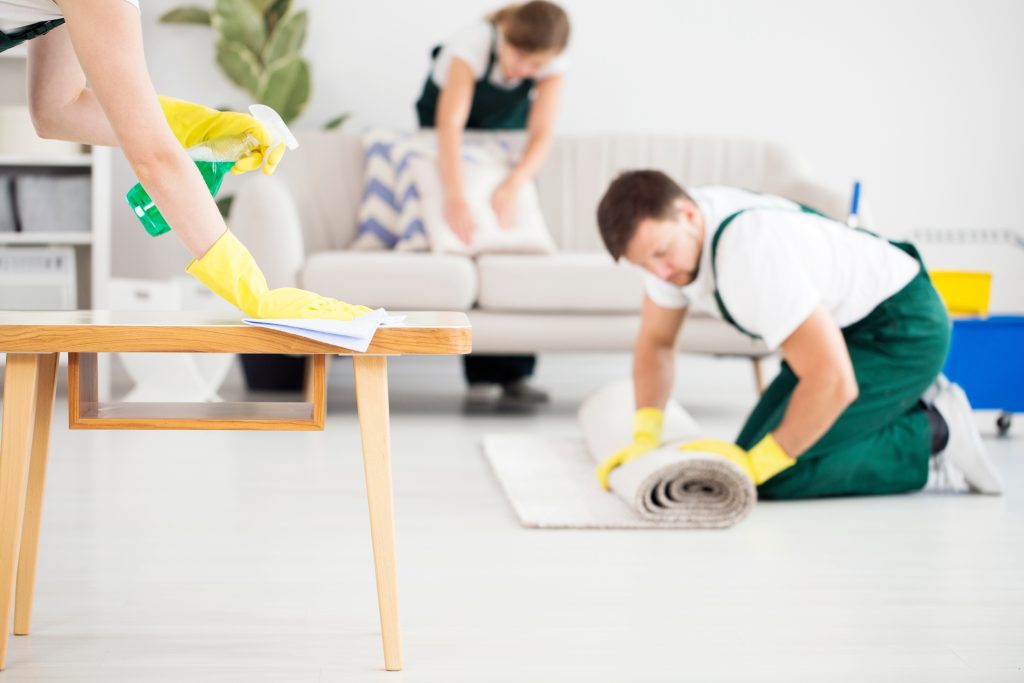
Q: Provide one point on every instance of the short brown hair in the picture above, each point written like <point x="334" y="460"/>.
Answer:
<point x="633" y="197"/>
<point x="533" y="27"/>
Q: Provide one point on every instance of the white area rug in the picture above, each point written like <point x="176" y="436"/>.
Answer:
<point x="551" y="484"/>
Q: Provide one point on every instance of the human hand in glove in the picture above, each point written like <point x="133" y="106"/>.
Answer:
<point x="647" y="426"/>
<point x="229" y="270"/>
<point x="760" y="463"/>
<point x="193" y="124"/>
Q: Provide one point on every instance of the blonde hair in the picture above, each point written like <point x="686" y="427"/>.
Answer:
<point x="536" y="26"/>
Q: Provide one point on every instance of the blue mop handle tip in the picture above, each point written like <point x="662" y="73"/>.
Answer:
<point x="855" y="201"/>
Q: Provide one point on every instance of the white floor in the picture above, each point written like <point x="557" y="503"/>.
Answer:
<point x="246" y="557"/>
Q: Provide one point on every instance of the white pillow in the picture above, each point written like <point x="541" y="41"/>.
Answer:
<point x="528" y="235"/>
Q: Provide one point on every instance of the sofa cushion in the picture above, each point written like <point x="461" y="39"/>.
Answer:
<point x="395" y="280"/>
<point x="580" y="282"/>
<point x="527" y="235"/>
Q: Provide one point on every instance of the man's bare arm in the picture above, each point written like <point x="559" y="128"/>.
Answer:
<point x="826" y="385"/>
<point x="654" y="354"/>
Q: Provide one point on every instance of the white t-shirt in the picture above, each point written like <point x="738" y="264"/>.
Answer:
<point x="777" y="264"/>
<point x="473" y="46"/>
<point x="15" y="14"/>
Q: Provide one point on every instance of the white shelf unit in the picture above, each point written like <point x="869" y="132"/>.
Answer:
<point x="92" y="248"/>
<point x="42" y="160"/>
<point x="44" y="238"/>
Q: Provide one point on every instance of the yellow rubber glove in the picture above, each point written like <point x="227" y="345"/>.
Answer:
<point x="193" y="124"/>
<point x="647" y="426"/>
<point x="229" y="270"/>
<point x="761" y="463"/>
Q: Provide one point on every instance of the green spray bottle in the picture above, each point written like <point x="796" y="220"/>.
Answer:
<point x="214" y="159"/>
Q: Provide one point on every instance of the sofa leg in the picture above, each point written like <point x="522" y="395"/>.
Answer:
<point x="758" y="375"/>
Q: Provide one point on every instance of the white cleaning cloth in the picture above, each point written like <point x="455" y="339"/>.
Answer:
<point x="354" y="335"/>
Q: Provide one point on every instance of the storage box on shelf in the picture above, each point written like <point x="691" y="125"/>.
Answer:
<point x="37" y="278"/>
<point x="57" y="205"/>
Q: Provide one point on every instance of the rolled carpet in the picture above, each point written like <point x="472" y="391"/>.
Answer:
<point x="667" y="486"/>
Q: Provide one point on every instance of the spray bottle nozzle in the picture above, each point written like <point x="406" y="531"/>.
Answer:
<point x="273" y="122"/>
<point x="234" y="148"/>
<point x="214" y="158"/>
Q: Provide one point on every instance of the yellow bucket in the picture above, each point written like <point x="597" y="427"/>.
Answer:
<point x="964" y="292"/>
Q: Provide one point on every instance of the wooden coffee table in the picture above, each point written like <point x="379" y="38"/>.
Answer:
<point x="33" y="342"/>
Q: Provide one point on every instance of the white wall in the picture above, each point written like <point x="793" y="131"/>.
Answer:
<point x="923" y="100"/>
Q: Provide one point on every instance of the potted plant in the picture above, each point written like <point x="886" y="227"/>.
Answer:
<point x="258" y="49"/>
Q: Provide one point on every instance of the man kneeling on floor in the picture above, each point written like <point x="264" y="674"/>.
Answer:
<point x="859" y="406"/>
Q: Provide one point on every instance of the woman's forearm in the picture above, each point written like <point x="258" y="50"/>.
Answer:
<point x="176" y="186"/>
<point x="453" y="108"/>
<point x="449" y="161"/>
<point x="540" y="130"/>
<point x="537" y="148"/>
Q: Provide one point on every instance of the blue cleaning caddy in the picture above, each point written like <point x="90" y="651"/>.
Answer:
<point x="986" y="358"/>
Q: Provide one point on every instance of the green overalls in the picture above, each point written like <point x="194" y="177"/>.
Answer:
<point x="15" y="38"/>
<point x="493" y="108"/>
<point x="882" y="442"/>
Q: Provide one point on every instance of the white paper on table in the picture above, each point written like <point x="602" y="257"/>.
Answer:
<point x="354" y="335"/>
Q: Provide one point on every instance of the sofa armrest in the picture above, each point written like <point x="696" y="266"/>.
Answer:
<point x="265" y="218"/>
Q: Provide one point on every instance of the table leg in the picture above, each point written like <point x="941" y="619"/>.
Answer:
<point x="46" y="389"/>
<point x="20" y="379"/>
<point x="372" y="402"/>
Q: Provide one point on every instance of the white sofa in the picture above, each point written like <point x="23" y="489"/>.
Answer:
<point x="299" y="222"/>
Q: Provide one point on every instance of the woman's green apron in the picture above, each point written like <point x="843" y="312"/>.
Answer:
<point x="493" y="108"/>
<point x="882" y="442"/>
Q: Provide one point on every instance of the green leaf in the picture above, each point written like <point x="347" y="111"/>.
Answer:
<point x="285" y="86"/>
<point x="239" y="22"/>
<point x="224" y="205"/>
<point x="274" y="12"/>
<point x="186" y="15"/>
<point x="287" y="38"/>
<point x="240" y="65"/>
<point x="337" y="121"/>
<point x="260" y="5"/>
